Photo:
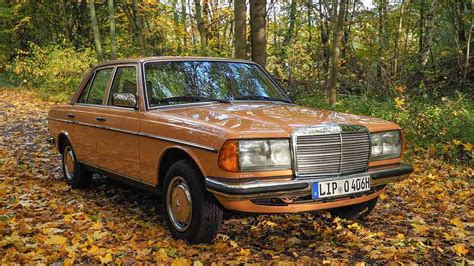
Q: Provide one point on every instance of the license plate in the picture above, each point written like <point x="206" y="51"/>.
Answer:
<point x="334" y="188"/>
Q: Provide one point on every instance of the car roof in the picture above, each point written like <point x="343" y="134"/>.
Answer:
<point x="172" y="58"/>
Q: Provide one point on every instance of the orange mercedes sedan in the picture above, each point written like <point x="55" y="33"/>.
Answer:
<point x="210" y="134"/>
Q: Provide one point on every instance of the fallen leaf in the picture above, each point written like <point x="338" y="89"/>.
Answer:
<point x="457" y="222"/>
<point x="460" y="250"/>
<point x="106" y="259"/>
<point x="55" y="240"/>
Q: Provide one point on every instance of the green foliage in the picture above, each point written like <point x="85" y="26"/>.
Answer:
<point x="56" y="71"/>
<point x="442" y="128"/>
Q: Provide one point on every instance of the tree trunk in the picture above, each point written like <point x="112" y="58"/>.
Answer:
<point x="397" y="38"/>
<point x="466" y="62"/>
<point x="95" y="30"/>
<point x="183" y="22"/>
<point x="382" y="43"/>
<point x="348" y="28"/>
<point x="407" y="34"/>
<point x="421" y="24"/>
<point x="240" y="29"/>
<point x="191" y="23"/>
<point x="201" y="26"/>
<point x="291" y="26"/>
<point x="139" y="27"/>
<point x="324" y="33"/>
<point x="257" y="30"/>
<point x="310" y="26"/>
<point x="113" y="48"/>
<point x="65" y="21"/>
<point x="428" y="34"/>
<point x="337" y="36"/>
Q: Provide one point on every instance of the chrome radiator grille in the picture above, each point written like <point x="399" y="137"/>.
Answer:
<point x="334" y="152"/>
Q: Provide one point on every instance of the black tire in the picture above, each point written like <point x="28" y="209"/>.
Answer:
<point x="79" y="176"/>
<point x="206" y="214"/>
<point x="356" y="211"/>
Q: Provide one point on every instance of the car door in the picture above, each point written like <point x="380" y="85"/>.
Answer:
<point x="118" y="135"/>
<point x="83" y="131"/>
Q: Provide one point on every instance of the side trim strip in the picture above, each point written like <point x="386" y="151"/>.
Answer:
<point x="190" y="144"/>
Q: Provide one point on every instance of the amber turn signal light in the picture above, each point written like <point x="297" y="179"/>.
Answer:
<point x="229" y="156"/>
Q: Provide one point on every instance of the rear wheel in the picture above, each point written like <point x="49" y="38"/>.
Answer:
<point x="356" y="211"/>
<point x="192" y="213"/>
<point x="75" y="173"/>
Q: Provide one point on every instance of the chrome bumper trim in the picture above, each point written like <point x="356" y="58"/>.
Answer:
<point x="257" y="189"/>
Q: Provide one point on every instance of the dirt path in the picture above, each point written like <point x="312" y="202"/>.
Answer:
<point x="426" y="218"/>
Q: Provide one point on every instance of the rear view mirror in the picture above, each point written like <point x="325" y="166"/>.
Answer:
<point x="125" y="100"/>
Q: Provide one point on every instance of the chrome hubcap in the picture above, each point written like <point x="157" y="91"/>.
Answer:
<point x="179" y="203"/>
<point x="69" y="160"/>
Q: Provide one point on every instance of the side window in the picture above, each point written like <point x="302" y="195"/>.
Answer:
<point x="125" y="81"/>
<point x="85" y="91"/>
<point x="99" y="86"/>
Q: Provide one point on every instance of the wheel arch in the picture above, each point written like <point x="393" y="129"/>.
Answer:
<point x="63" y="137"/>
<point x="173" y="154"/>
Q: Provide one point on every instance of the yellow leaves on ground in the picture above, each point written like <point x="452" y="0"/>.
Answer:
<point x="383" y="196"/>
<point x="354" y="226"/>
<point x="400" y="236"/>
<point x="460" y="250"/>
<point x="3" y="190"/>
<point x="94" y="250"/>
<point x="106" y="259"/>
<point x="421" y="229"/>
<point x="55" y="240"/>
<point x="457" y="222"/>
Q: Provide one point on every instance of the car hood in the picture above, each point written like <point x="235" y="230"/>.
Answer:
<point x="254" y="119"/>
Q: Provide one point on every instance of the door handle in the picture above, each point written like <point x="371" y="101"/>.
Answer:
<point x="99" y="118"/>
<point x="70" y="115"/>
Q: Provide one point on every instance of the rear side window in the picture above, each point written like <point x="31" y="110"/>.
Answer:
<point x="125" y="81"/>
<point x="94" y="91"/>
<point x="85" y="91"/>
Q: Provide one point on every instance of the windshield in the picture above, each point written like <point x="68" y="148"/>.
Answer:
<point x="195" y="81"/>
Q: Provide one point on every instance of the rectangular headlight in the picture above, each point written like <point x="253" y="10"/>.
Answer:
<point x="385" y="145"/>
<point x="258" y="155"/>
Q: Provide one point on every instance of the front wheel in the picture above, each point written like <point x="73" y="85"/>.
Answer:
<point x="356" y="211"/>
<point x="192" y="213"/>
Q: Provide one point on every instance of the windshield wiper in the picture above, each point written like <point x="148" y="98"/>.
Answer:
<point x="191" y="99"/>
<point x="263" y="98"/>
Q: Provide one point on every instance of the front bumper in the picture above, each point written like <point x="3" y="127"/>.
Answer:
<point x="261" y="189"/>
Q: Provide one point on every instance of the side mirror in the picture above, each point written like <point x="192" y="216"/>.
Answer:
<point x="125" y="99"/>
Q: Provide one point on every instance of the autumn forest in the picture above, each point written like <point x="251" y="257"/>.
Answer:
<point x="406" y="61"/>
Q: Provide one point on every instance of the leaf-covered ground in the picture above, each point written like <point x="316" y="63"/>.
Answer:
<point x="426" y="218"/>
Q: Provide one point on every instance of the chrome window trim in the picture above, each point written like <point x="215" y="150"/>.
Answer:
<point x="178" y="105"/>
<point x="153" y="136"/>
<point x="106" y="106"/>
<point x="109" y="87"/>
<point x="112" y="82"/>
<point x="92" y="77"/>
